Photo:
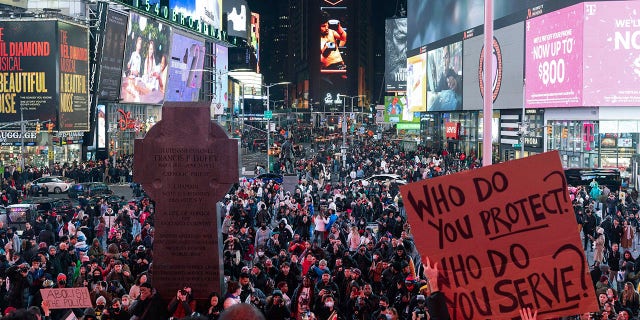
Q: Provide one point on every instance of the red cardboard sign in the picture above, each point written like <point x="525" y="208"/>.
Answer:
<point x="67" y="298"/>
<point x="503" y="239"/>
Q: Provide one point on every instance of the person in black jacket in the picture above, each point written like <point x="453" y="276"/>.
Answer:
<point x="588" y="228"/>
<point x="149" y="305"/>
<point x="436" y="302"/>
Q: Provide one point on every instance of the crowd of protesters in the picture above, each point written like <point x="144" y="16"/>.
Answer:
<point x="334" y="247"/>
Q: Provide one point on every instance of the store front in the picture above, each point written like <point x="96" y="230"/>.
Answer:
<point x="127" y="122"/>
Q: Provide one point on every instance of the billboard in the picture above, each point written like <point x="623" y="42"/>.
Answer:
<point x="255" y="39"/>
<point x="417" y="80"/>
<point x="101" y="126"/>
<point x="444" y="78"/>
<point x="185" y="68"/>
<point x="612" y="53"/>
<point x="238" y="17"/>
<point x="208" y="11"/>
<point x="28" y="71"/>
<point x="145" y="68"/>
<point x="554" y="58"/>
<point x="220" y="83"/>
<point x="73" y="44"/>
<point x="330" y="72"/>
<point x="432" y="20"/>
<point x="112" y="56"/>
<point x="395" y="74"/>
<point x="508" y="74"/>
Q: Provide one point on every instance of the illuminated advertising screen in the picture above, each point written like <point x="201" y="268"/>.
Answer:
<point x="612" y="53"/>
<point x="185" y="68"/>
<point x="444" y="73"/>
<point x="73" y="44"/>
<point x="28" y="71"/>
<point x="112" y="56"/>
<point x="432" y="20"/>
<point x="101" y="126"/>
<point x="395" y="109"/>
<point x="220" y="94"/>
<point x="333" y="39"/>
<point x="507" y="52"/>
<point x="208" y="11"/>
<point x="416" y="66"/>
<point x="554" y="58"/>
<point x="238" y="15"/>
<point x="145" y="68"/>
<point x="395" y="74"/>
<point x="255" y="38"/>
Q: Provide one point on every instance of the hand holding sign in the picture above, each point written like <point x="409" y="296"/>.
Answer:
<point x="431" y="274"/>
<point x="500" y="237"/>
<point x="525" y="314"/>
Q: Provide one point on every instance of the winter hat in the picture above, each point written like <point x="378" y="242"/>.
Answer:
<point x="61" y="277"/>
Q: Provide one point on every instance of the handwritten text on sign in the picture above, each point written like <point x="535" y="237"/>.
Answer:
<point x="503" y="238"/>
<point x="67" y="298"/>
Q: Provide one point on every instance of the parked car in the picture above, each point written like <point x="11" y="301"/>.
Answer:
<point x="260" y="145"/>
<point x="89" y="189"/>
<point x="54" y="184"/>
<point x="266" y="177"/>
<point x="17" y="215"/>
<point x="60" y="206"/>
<point x="383" y="177"/>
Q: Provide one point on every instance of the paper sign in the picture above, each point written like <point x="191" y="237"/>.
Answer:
<point x="503" y="240"/>
<point x="63" y="298"/>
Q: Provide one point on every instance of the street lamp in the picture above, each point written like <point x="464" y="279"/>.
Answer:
<point x="344" y="126"/>
<point x="268" y="86"/>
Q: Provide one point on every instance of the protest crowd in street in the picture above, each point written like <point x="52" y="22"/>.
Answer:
<point x="334" y="248"/>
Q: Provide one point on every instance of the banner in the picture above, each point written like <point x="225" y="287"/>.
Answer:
<point x="144" y="79"/>
<point x="185" y="68"/>
<point x="74" y="77"/>
<point x="612" y="42"/>
<point x="444" y="73"/>
<point x="554" y="58"/>
<point x="67" y="298"/>
<point x="28" y="71"/>
<point x="503" y="240"/>
<point x="220" y="93"/>
<point x="112" y="56"/>
<point x="452" y="130"/>
<point x="255" y="39"/>
<point x="508" y="73"/>
<point x="417" y="80"/>
<point x="395" y="71"/>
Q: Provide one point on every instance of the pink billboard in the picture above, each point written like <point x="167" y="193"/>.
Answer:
<point x="612" y="53"/>
<point x="554" y="59"/>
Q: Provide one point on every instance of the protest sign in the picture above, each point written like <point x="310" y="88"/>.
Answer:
<point x="63" y="298"/>
<point x="504" y="238"/>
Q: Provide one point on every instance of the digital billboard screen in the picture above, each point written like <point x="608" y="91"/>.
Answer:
<point x="145" y="69"/>
<point x="112" y="56"/>
<point x="208" y="11"/>
<point x="28" y="71"/>
<point x="395" y="74"/>
<point x="554" y="46"/>
<point x="417" y="80"/>
<point x="220" y="90"/>
<point x="612" y="53"/>
<point x="333" y="39"/>
<point x="255" y="38"/>
<point x="444" y="73"/>
<point x="508" y="59"/>
<point x="432" y="20"/>
<point x="238" y="17"/>
<point x="185" y="68"/>
<point x="73" y="44"/>
<point x="101" y="112"/>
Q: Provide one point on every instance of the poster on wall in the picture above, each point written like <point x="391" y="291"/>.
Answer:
<point x="73" y="44"/>
<point x="417" y="80"/>
<point x="185" y="68"/>
<point x="612" y="53"/>
<point x="28" y="71"/>
<point x="395" y="73"/>
<point x="145" y="68"/>
<point x="507" y="52"/>
<point x="208" y="11"/>
<point x="220" y="94"/>
<point x="112" y="56"/>
<point x="553" y="56"/>
<point x="444" y="73"/>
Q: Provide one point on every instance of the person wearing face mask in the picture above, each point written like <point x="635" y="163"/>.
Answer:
<point x="115" y="312"/>
<point x="101" y="304"/>
<point x="328" y="310"/>
<point x="383" y="304"/>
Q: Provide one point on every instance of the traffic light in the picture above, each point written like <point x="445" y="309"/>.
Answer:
<point x="37" y="127"/>
<point x="565" y="133"/>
